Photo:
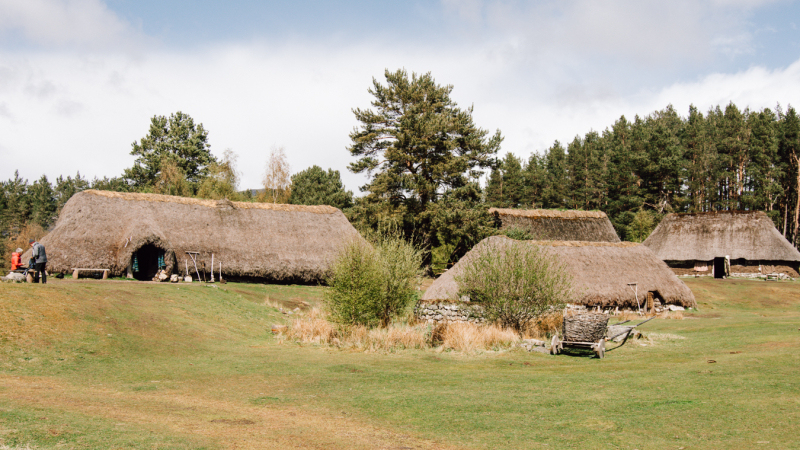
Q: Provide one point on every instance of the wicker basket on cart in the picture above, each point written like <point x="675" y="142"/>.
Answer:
<point x="587" y="327"/>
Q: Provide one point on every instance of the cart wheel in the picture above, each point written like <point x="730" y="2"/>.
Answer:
<point x="554" y="344"/>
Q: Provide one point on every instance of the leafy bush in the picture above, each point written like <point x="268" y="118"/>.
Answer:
<point x="516" y="282"/>
<point x="372" y="284"/>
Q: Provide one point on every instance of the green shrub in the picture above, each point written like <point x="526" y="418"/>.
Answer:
<point x="372" y="284"/>
<point x="516" y="282"/>
<point x="641" y="226"/>
<point x="518" y="233"/>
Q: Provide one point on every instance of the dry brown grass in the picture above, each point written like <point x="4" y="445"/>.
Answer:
<point x="393" y="337"/>
<point x="677" y="315"/>
<point x="544" y="326"/>
<point x="314" y="327"/>
<point x="469" y="337"/>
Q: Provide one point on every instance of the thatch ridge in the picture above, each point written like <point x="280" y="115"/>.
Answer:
<point x="556" y="213"/>
<point x="747" y="235"/>
<point x="559" y="225"/>
<point x="319" y="209"/>
<point x="601" y="272"/>
<point x="284" y="243"/>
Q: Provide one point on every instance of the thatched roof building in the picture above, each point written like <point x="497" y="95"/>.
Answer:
<point x="546" y="224"/>
<point x="748" y="238"/>
<point x="601" y="273"/>
<point x="140" y="232"/>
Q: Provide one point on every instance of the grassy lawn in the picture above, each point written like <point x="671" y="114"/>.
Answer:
<point x="139" y="365"/>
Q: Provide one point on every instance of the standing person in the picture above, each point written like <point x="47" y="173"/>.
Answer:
<point x="16" y="259"/>
<point x="39" y="258"/>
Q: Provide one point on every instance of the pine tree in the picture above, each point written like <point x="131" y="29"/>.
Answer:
<point x="43" y="204"/>
<point x="734" y="146"/>
<point x="315" y="186"/>
<point x="556" y="192"/>
<point x="789" y="151"/>
<point x="663" y="173"/>
<point x="623" y="180"/>
<point x="697" y="152"/>
<point x="535" y="179"/>
<point x="65" y="188"/>
<point x="15" y="211"/>
<point x="174" y="139"/>
<point x="494" y="188"/>
<point x="764" y="171"/>
<point x="513" y="181"/>
<point x="416" y="145"/>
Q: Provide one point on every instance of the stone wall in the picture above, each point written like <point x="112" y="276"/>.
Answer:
<point x="435" y="312"/>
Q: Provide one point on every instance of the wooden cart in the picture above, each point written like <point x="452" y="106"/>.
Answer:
<point x="587" y="331"/>
<point x="599" y="347"/>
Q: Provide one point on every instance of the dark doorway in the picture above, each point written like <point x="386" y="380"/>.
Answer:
<point x="147" y="261"/>
<point x="719" y="267"/>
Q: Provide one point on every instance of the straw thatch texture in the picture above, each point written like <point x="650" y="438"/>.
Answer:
<point x="545" y="224"/>
<point x="742" y="235"/>
<point x="100" y="229"/>
<point x="601" y="272"/>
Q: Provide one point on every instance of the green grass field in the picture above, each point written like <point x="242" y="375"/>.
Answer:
<point x="139" y="365"/>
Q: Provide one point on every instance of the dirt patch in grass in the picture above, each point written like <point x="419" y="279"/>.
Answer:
<point x="224" y="423"/>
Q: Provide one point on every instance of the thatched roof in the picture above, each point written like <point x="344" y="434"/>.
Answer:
<point x="101" y="229"/>
<point x="748" y="235"/>
<point x="601" y="272"/>
<point x="547" y="224"/>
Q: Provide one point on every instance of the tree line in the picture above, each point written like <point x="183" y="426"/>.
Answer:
<point x="425" y="158"/>
<point x="640" y="170"/>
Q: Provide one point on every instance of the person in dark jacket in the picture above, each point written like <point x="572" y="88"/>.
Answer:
<point x="39" y="258"/>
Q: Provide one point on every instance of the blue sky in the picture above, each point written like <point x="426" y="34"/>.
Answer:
<point x="79" y="79"/>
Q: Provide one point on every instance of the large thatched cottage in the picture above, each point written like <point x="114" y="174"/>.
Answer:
<point x="138" y="234"/>
<point x="700" y="243"/>
<point x="547" y="224"/>
<point x="604" y="274"/>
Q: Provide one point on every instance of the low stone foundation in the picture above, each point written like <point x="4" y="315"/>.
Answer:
<point x="657" y="307"/>
<point x="780" y="276"/>
<point x="436" y="312"/>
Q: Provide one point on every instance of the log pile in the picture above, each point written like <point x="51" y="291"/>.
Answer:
<point x="584" y="327"/>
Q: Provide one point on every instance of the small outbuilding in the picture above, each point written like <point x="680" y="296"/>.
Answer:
<point x="742" y="243"/>
<point x="605" y="274"/>
<point x="139" y="234"/>
<point x="556" y="225"/>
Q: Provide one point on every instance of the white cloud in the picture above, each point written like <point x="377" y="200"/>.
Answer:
<point x="66" y="23"/>
<point x="537" y="73"/>
<point x="300" y="96"/>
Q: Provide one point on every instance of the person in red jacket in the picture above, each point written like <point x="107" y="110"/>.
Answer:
<point x="16" y="259"/>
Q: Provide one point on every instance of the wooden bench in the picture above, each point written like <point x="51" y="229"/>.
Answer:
<point x="76" y="272"/>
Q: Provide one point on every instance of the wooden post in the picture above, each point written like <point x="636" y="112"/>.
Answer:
<point x="212" y="268"/>
<point x="75" y="273"/>
<point x="220" y="271"/>
<point x="105" y="274"/>
<point x="650" y="303"/>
